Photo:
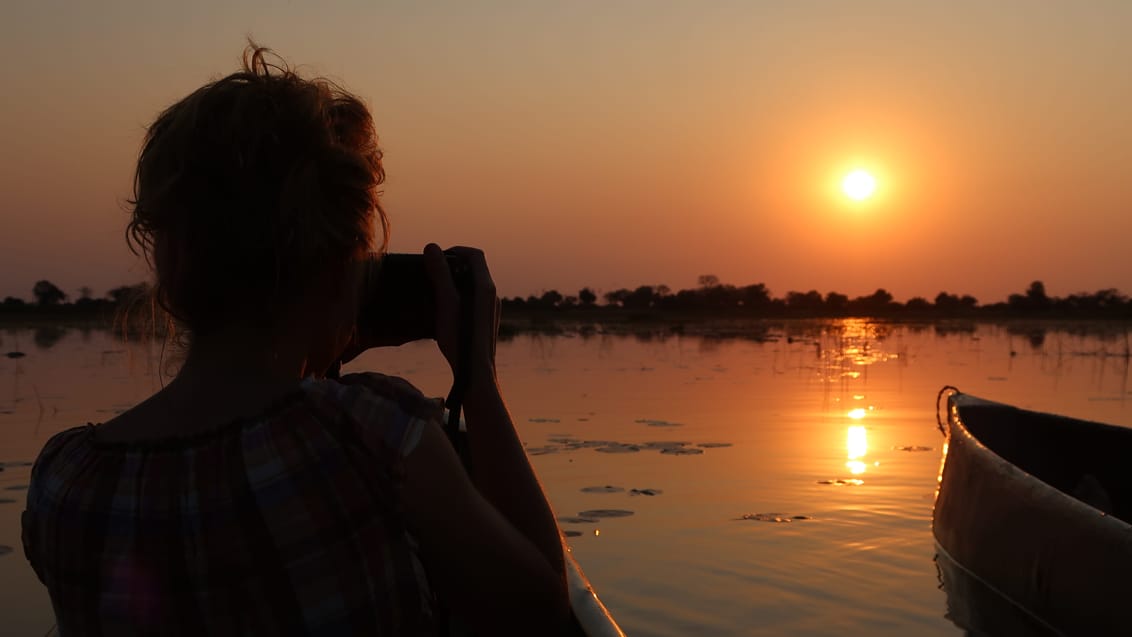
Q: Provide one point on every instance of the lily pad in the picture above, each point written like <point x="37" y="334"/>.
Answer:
<point x="853" y="482"/>
<point x="15" y="355"/>
<point x="605" y="513"/>
<point x="714" y="445"/>
<point x="913" y="448"/>
<point x="542" y="451"/>
<point x="16" y="487"/>
<point x="573" y="519"/>
<point x="618" y="447"/>
<point x="645" y="492"/>
<point x="543" y="420"/>
<point x="683" y="451"/>
<point x="7" y="501"/>
<point x="5" y="549"/>
<point x="609" y="488"/>
<point x="664" y="444"/>
<point x="570" y="533"/>
<point x="657" y="423"/>
<point x="591" y="444"/>
<point x="766" y="517"/>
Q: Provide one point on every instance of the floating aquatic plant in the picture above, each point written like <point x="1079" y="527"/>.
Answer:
<point x="657" y="423"/>
<point x="682" y="451"/>
<point x="573" y="519"/>
<point x="766" y="517"/>
<point x="663" y="444"/>
<point x="618" y="447"/>
<point x="773" y="517"/>
<point x="542" y="451"/>
<point x="605" y="513"/>
<point x="603" y="489"/>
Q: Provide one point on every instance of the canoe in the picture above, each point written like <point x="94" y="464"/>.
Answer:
<point x="591" y="617"/>
<point x="1034" y="506"/>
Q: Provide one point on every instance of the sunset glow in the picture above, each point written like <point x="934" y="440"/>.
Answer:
<point x="858" y="185"/>
<point x="619" y="143"/>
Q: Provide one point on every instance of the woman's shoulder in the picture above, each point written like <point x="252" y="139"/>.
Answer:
<point x="55" y="451"/>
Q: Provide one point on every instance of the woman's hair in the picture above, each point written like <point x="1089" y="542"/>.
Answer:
<point x="251" y="185"/>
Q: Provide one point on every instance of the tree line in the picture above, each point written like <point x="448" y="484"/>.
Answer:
<point x="713" y="297"/>
<point x="710" y="297"/>
<point x="50" y="298"/>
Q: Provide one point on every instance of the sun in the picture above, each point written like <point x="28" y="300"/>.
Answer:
<point x="858" y="185"/>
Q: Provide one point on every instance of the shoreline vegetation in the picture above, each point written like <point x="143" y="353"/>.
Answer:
<point x="712" y="310"/>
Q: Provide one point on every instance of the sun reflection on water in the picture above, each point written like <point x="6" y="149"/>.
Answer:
<point x="857" y="445"/>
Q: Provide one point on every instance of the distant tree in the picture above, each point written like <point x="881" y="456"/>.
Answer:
<point x="754" y="297"/>
<point x="569" y="303"/>
<point x="918" y="304"/>
<point x="805" y="303"/>
<point x="513" y="303"/>
<point x="586" y="297"/>
<point x="1034" y="300"/>
<point x="11" y="302"/>
<point x="836" y="303"/>
<point x="708" y="281"/>
<point x="615" y="298"/>
<point x="85" y="302"/>
<point x="48" y="294"/>
<point x="641" y="298"/>
<point x="945" y="302"/>
<point x="716" y="295"/>
<point x="879" y="302"/>
<point x="128" y="293"/>
<point x="550" y="299"/>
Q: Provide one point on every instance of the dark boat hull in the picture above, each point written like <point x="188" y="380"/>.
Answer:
<point x="1004" y="512"/>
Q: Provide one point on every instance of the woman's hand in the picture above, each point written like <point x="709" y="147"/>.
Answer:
<point x="484" y="312"/>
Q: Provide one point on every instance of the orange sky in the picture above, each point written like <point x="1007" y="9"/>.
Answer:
<point x="627" y="143"/>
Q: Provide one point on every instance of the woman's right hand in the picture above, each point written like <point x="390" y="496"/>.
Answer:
<point x="449" y="319"/>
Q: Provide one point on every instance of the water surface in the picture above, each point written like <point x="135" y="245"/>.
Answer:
<point x="722" y="486"/>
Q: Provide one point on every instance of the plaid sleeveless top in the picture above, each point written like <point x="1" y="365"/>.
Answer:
<point x="286" y="524"/>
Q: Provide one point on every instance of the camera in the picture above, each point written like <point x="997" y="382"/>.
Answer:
<point x="399" y="303"/>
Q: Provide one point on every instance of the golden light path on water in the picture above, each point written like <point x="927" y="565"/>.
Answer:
<point x="857" y="445"/>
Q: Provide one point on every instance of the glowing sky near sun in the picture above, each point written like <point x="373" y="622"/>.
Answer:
<point x="628" y="143"/>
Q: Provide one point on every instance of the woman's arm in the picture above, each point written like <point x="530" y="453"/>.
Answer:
<point x="501" y="529"/>
<point x="484" y="568"/>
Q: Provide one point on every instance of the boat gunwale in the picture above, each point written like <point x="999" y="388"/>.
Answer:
<point x="1011" y="528"/>
<point x="955" y="422"/>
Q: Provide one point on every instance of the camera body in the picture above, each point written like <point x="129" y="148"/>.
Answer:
<point x="399" y="302"/>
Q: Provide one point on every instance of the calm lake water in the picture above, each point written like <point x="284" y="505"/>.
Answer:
<point x="830" y="421"/>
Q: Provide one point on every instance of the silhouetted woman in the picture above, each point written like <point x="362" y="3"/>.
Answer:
<point x="252" y="495"/>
